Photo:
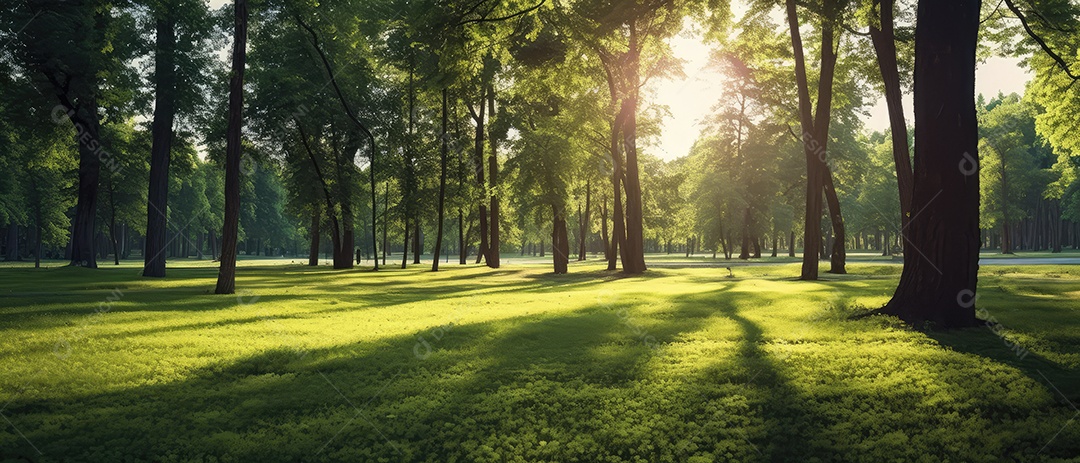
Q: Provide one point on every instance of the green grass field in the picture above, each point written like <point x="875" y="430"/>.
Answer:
<point x="515" y="365"/>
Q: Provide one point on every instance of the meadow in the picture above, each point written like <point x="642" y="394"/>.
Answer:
<point x="477" y="365"/>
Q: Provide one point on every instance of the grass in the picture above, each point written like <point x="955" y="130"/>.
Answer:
<point x="472" y="364"/>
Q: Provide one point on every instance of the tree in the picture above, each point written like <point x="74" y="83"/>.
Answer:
<point x="180" y="59"/>
<point x="226" y="283"/>
<point x="940" y="286"/>
<point x="628" y="41"/>
<point x="815" y="134"/>
<point x="1007" y="165"/>
<point x="78" y="48"/>
<point x="883" y="36"/>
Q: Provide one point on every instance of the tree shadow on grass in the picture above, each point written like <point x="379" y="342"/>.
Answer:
<point x="441" y="393"/>
<point x="991" y="341"/>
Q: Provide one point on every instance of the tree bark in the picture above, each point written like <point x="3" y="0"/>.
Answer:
<point x="87" y="135"/>
<point x="883" y="37"/>
<point x="838" y="256"/>
<point x="405" y="246"/>
<point x="313" y="251"/>
<point x="226" y="283"/>
<point x="560" y="248"/>
<point x="493" y="179"/>
<point x="161" y="148"/>
<point x="418" y="242"/>
<point x="939" y="286"/>
<point x="634" y="246"/>
<point x="478" y="165"/>
<point x="443" y="152"/>
<point x="812" y="229"/>
<point x="585" y="221"/>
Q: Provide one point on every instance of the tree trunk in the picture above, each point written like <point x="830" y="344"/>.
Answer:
<point x="493" y="179"/>
<point x="811" y="146"/>
<point x="226" y="283"/>
<point x="161" y="148"/>
<point x="418" y="242"/>
<point x="386" y="212"/>
<point x="462" y="251"/>
<point x="478" y="165"/>
<point x="634" y="246"/>
<point x="884" y="39"/>
<point x="112" y="226"/>
<point x="939" y="285"/>
<point x="560" y="248"/>
<point x="838" y="257"/>
<point x="87" y="136"/>
<point x="443" y="151"/>
<point x="313" y="250"/>
<point x="744" y="251"/>
<point x="405" y="246"/>
<point x="37" y="226"/>
<point x="585" y="221"/>
<point x="608" y="253"/>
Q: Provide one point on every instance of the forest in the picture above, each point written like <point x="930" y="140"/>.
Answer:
<point x="399" y="196"/>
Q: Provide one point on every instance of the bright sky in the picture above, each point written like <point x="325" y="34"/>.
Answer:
<point x="691" y="99"/>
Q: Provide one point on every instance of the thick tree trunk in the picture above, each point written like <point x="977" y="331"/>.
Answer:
<point x="744" y="251"/>
<point x="161" y="148"/>
<point x="313" y="250"/>
<point x="634" y="246"/>
<point x="939" y="285"/>
<point x="560" y="248"/>
<point x="226" y="283"/>
<point x="87" y="136"/>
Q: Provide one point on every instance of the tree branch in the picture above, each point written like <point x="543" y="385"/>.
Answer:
<point x="485" y="19"/>
<point x="1042" y="43"/>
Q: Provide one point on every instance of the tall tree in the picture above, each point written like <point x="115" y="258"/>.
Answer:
<point x="883" y="36"/>
<point x="939" y="287"/>
<point x="79" y="50"/>
<point x="226" y="283"/>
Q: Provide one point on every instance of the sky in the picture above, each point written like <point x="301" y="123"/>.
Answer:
<point x="691" y="99"/>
